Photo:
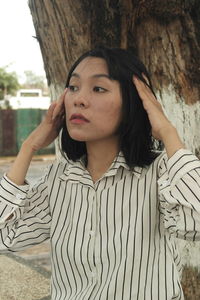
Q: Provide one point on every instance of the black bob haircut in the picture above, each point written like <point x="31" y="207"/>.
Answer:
<point x="135" y="136"/>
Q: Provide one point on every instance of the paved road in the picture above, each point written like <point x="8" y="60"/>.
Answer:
<point x="21" y="280"/>
<point x="36" y="168"/>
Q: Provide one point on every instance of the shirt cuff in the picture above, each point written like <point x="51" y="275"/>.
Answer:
<point x="11" y="193"/>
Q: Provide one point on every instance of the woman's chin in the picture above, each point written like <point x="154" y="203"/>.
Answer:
<point x="81" y="137"/>
<point x="78" y="137"/>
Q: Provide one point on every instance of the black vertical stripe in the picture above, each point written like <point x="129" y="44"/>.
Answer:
<point x="113" y="239"/>
<point x="57" y="270"/>
<point x="142" y="241"/>
<point x="121" y="246"/>
<point x="69" y="258"/>
<point x="150" y="234"/>
<point x="101" y="238"/>
<point x="107" y="242"/>
<point x="127" y="239"/>
<point x="166" y="267"/>
<point x="132" y="286"/>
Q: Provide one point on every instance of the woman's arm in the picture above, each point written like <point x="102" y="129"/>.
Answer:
<point x="24" y="213"/>
<point x="41" y="137"/>
<point x="179" y="173"/>
<point x="179" y="194"/>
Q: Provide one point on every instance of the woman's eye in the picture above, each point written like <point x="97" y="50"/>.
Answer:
<point x="99" y="89"/>
<point x="72" y="88"/>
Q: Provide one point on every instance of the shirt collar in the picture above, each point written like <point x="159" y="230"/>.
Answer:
<point x="76" y="171"/>
<point x="120" y="161"/>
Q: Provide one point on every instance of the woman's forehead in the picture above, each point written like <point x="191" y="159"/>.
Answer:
<point x="92" y="65"/>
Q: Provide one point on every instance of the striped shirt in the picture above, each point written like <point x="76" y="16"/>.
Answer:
<point x="114" y="239"/>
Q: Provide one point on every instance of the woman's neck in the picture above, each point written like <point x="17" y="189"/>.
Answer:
<point x="100" y="156"/>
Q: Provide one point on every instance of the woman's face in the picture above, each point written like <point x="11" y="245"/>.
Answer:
<point x="93" y="102"/>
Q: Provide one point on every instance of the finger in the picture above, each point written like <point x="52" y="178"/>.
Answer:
<point x="144" y="90"/>
<point x="144" y="83"/>
<point x="62" y="97"/>
<point x="58" y="125"/>
<point x="141" y="83"/>
<point x="60" y="101"/>
<point x="59" y="105"/>
<point x="146" y="79"/>
<point x="50" y="111"/>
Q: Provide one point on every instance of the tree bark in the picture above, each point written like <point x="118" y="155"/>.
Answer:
<point x="165" y="35"/>
<point x="168" y="42"/>
<point x="63" y="32"/>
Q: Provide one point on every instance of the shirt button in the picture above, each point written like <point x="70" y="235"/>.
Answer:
<point x="165" y="183"/>
<point x="19" y="197"/>
<point x="91" y="233"/>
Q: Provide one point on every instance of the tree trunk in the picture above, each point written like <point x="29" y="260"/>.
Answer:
<point x="165" y="36"/>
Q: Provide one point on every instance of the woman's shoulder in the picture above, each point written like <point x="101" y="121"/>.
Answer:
<point x="158" y="164"/>
<point x="55" y="167"/>
<point x="182" y="157"/>
<point x="61" y="166"/>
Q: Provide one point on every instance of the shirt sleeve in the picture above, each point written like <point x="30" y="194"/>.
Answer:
<point x="179" y="194"/>
<point x="24" y="214"/>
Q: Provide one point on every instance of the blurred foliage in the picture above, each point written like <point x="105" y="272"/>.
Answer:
<point x="9" y="83"/>
<point x="33" y="81"/>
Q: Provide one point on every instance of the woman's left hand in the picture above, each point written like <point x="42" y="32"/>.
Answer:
<point x="159" y="122"/>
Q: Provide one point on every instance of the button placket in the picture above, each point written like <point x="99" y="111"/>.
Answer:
<point x="91" y="234"/>
<point x="93" y="274"/>
<point x="93" y="216"/>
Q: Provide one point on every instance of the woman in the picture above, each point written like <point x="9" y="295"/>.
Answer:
<point x="112" y="206"/>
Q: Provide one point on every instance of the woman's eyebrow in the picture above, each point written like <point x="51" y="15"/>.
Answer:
<point x="75" y="75"/>
<point x="93" y="76"/>
<point x="101" y="75"/>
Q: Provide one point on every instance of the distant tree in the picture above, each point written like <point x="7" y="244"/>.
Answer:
<point x="8" y="83"/>
<point x="34" y="81"/>
<point x="5" y="104"/>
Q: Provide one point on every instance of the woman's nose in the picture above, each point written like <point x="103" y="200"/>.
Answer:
<point x="81" y="101"/>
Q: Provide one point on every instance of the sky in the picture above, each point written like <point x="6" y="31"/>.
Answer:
<point x="18" y="48"/>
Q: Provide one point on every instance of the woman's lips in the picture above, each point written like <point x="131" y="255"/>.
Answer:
<point x="78" y="119"/>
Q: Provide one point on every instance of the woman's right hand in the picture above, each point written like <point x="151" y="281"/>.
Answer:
<point x="49" y="128"/>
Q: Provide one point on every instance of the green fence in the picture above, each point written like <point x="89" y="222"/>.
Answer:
<point x="8" y="139"/>
<point x="15" y="126"/>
